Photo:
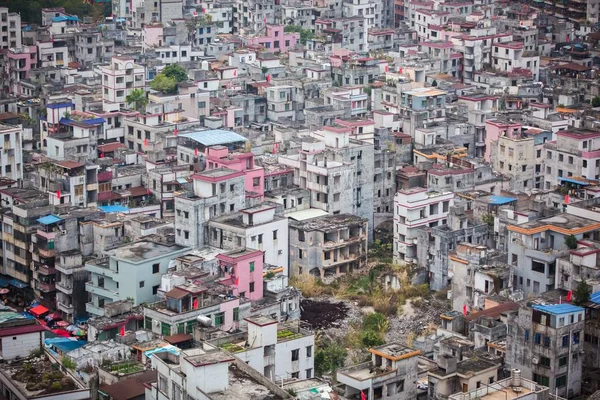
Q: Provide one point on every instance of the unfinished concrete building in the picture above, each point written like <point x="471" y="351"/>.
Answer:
<point x="328" y="246"/>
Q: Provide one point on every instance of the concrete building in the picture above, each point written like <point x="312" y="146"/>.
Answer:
<point x="130" y="271"/>
<point x="10" y="28"/>
<point x="545" y="341"/>
<point x="120" y="78"/>
<point x="11" y="162"/>
<point x="504" y="388"/>
<point x="328" y="245"/>
<point x="573" y="155"/>
<point x="413" y="209"/>
<point x="19" y="337"/>
<point x="261" y="227"/>
<point x="275" y="350"/>
<point x="391" y="373"/>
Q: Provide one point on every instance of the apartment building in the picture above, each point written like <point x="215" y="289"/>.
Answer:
<point x="129" y="271"/>
<point x="535" y="246"/>
<point x="415" y="208"/>
<point x="276" y="350"/>
<point x="242" y="270"/>
<point x="10" y="29"/>
<point x="509" y="56"/>
<point x="11" y="159"/>
<point x="253" y="15"/>
<point x="261" y="227"/>
<point x="91" y="47"/>
<point x="274" y="39"/>
<point x="331" y="163"/>
<point x="120" y="78"/>
<point x="281" y="104"/>
<point x="328" y="245"/>
<point x="545" y="342"/>
<point x="574" y="154"/>
<point x="391" y="373"/>
<point x="20" y="61"/>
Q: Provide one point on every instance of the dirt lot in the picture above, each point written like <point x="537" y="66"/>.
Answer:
<point x="323" y="314"/>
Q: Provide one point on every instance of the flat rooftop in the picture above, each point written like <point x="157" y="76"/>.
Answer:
<point x="328" y="223"/>
<point x="243" y="386"/>
<point x="563" y="220"/>
<point x="143" y="250"/>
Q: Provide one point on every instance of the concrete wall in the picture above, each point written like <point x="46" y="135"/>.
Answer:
<point x="20" y="345"/>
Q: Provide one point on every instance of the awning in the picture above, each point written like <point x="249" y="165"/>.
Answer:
<point x="49" y="219"/>
<point x="178" y="338"/>
<point x="38" y="310"/>
<point x="17" y="283"/>
<point x="182" y="181"/>
<point x="113" y="208"/>
<point x="574" y="181"/>
<point x="500" y="200"/>
<point x="3" y="282"/>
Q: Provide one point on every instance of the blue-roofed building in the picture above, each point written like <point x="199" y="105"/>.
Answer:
<point x="591" y="341"/>
<point x="188" y="142"/>
<point x="546" y="342"/>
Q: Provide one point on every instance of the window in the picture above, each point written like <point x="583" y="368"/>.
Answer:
<point x="300" y="254"/>
<point x="295" y="355"/>
<point x="251" y="287"/>
<point x="561" y="381"/>
<point x="527" y="335"/>
<point x="308" y="371"/>
<point x="309" y="351"/>
<point x="155" y="268"/>
<point x="219" y="318"/>
<point x="541" y="379"/>
<point x="565" y="341"/>
<point x="445" y="206"/>
<point x="562" y="361"/>
<point x="155" y="289"/>
<point x="255" y="182"/>
<point x="547" y="341"/>
<point x="275" y="235"/>
<point x="252" y="266"/>
<point x="142" y="284"/>
<point x="576" y="337"/>
<point x="236" y="314"/>
<point x="260" y="238"/>
<point x="186" y="234"/>
<point x="537" y="338"/>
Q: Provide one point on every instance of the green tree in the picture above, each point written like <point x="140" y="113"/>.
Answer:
<point x="571" y="242"/>
<point x="371" y="339"/>
<point x="138" y="98"/>
<point x="596" y="101"/>
<point x="305" y="34"/>
<point x="582" y="293"/>
<point x="164" y="84"/>
<point x="329" y="358"/>
<point x="175" y="71"/>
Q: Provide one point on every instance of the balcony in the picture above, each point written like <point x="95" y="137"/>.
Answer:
<point x="46" y="287"/>
<point x="66" y="308"/>
<point x="100" y="291"/>
<point x="46" y="270"/>
<point x="47" y="253"/>
<point x="94" y="310"/>
<point x="64" y="287"/>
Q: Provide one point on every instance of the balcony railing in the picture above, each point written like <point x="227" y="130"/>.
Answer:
<point x="46" y="287"/>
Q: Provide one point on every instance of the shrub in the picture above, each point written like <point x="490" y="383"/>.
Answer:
<point x="68" y="363"/>
<point x="329" y="358"/>
<point x="371" y="339"/>
<point x="373" y="321"/>
<point x="571" y="242"/>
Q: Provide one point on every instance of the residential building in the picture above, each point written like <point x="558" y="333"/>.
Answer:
<point x="391" y="373"/>
<point x="11" y="162"/>
<point x="120" y="78"/>
<point x="505" y="388"/>
<point x="545" y="342"/>
<point x="19" y="337"/>
<point x="10" y="26"/>
<point x="574" y="154"/>
<point x="242" y="270"/>
<point x="275" y="39"/>
<point x="328" y="245"/>
<point x="129" y="271"/>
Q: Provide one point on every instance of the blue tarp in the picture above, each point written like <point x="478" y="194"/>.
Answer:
<point x="595" y="298"/>
<point x="17" y="283"/>
<point x="500" y="200"/>
<point x="574" y="181"/>
<point x="557" y="309"/>
<point x="3" y="282"/>
<point x="49" y="219"/>
<point x="114" y="208"/>
<point x="93" y="121"/>
<point x="214" y="137"/>
<point x="170" y="348"/>
<point x="65" y="18"/>
<point x="64" y="345"/>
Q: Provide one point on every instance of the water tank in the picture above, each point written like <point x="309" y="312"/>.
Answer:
<point x="515" y="378"/>
<point x="203" y="320"/>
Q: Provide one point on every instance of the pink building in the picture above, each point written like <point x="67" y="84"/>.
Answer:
<point x="219" y="156"/>
<point x="20" y="62"/>
<point x="495" y="129"/>
<point x="242" y="269"/>
<point x="275" y="40"/>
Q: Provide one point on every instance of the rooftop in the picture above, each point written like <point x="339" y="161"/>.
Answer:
<point x="328" y="223"/>
<point x="214" y="136"/>
<point x="557" y="309"/>
<point x="144" y="250"/>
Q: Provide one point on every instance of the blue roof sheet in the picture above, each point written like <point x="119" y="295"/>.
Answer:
<point x="60" y="105"/>
<point x="65" y="345"/>
<point x="557" y="309"/>
<point x="499" y="200"/>
<point x="575" y="181"/>
<point x="214" y="137"/>
<point x="65" y="18"/>
<point x="595" y="298"/>
<point x="17" y="283"/>
<point x="49" y="219"/>
<point x="113" y="208"/>
<point x="93" y="121"/>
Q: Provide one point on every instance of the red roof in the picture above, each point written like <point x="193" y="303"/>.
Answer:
<point x="38" y="310"/>
<point x="21" y="330"/>
<point x="110" y="147"/>
<point x="70" y="164"/>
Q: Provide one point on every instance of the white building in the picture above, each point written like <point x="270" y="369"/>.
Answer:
<point x="10" y="29"/>
<point x="11" y="158"/>
<point x="414" y="209"/>
<point x="20" y="340"/>
<point x="120" y="78"/>
<point x="278" y="351"/>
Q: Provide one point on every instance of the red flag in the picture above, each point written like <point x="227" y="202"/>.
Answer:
<point x="58" y="194"/>
<point x="203" y="10"/>
<point x="101" y="155"/>
<point x="237" y="281"/>
<point x="235" y="72"/>
<point x="567" y="199"/>
<point x="123" y="330"/>
<point x="176" y="131"/>
<point x="148" y="192"/>
<point x="265" y="20"/>
<point x="567" y="38"/>
<point x="363" y="396"/>
<point x="399" y="70"/>
<point x="387" y="69"/>
<point x="196" y="152"/>
<point x="465" y="309"/>
<point x="195" y="14"/>
<point x="145" y="142"/>
<point x="195" y="304"/>
<point x="518" y="104"/>
<point x="569" y="295"/>
<point x="269" y="78"/>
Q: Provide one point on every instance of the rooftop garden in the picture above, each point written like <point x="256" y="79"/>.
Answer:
<point x="286" y="334"/>
<point x="232" y="347"/>
<point x="126" y="368"/>
<point x="44" y="376"/>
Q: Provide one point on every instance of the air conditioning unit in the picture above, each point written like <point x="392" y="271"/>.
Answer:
<point x="157" y="323"/>
<point x="535" y="360"/>
<point x="63" y="232"/>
